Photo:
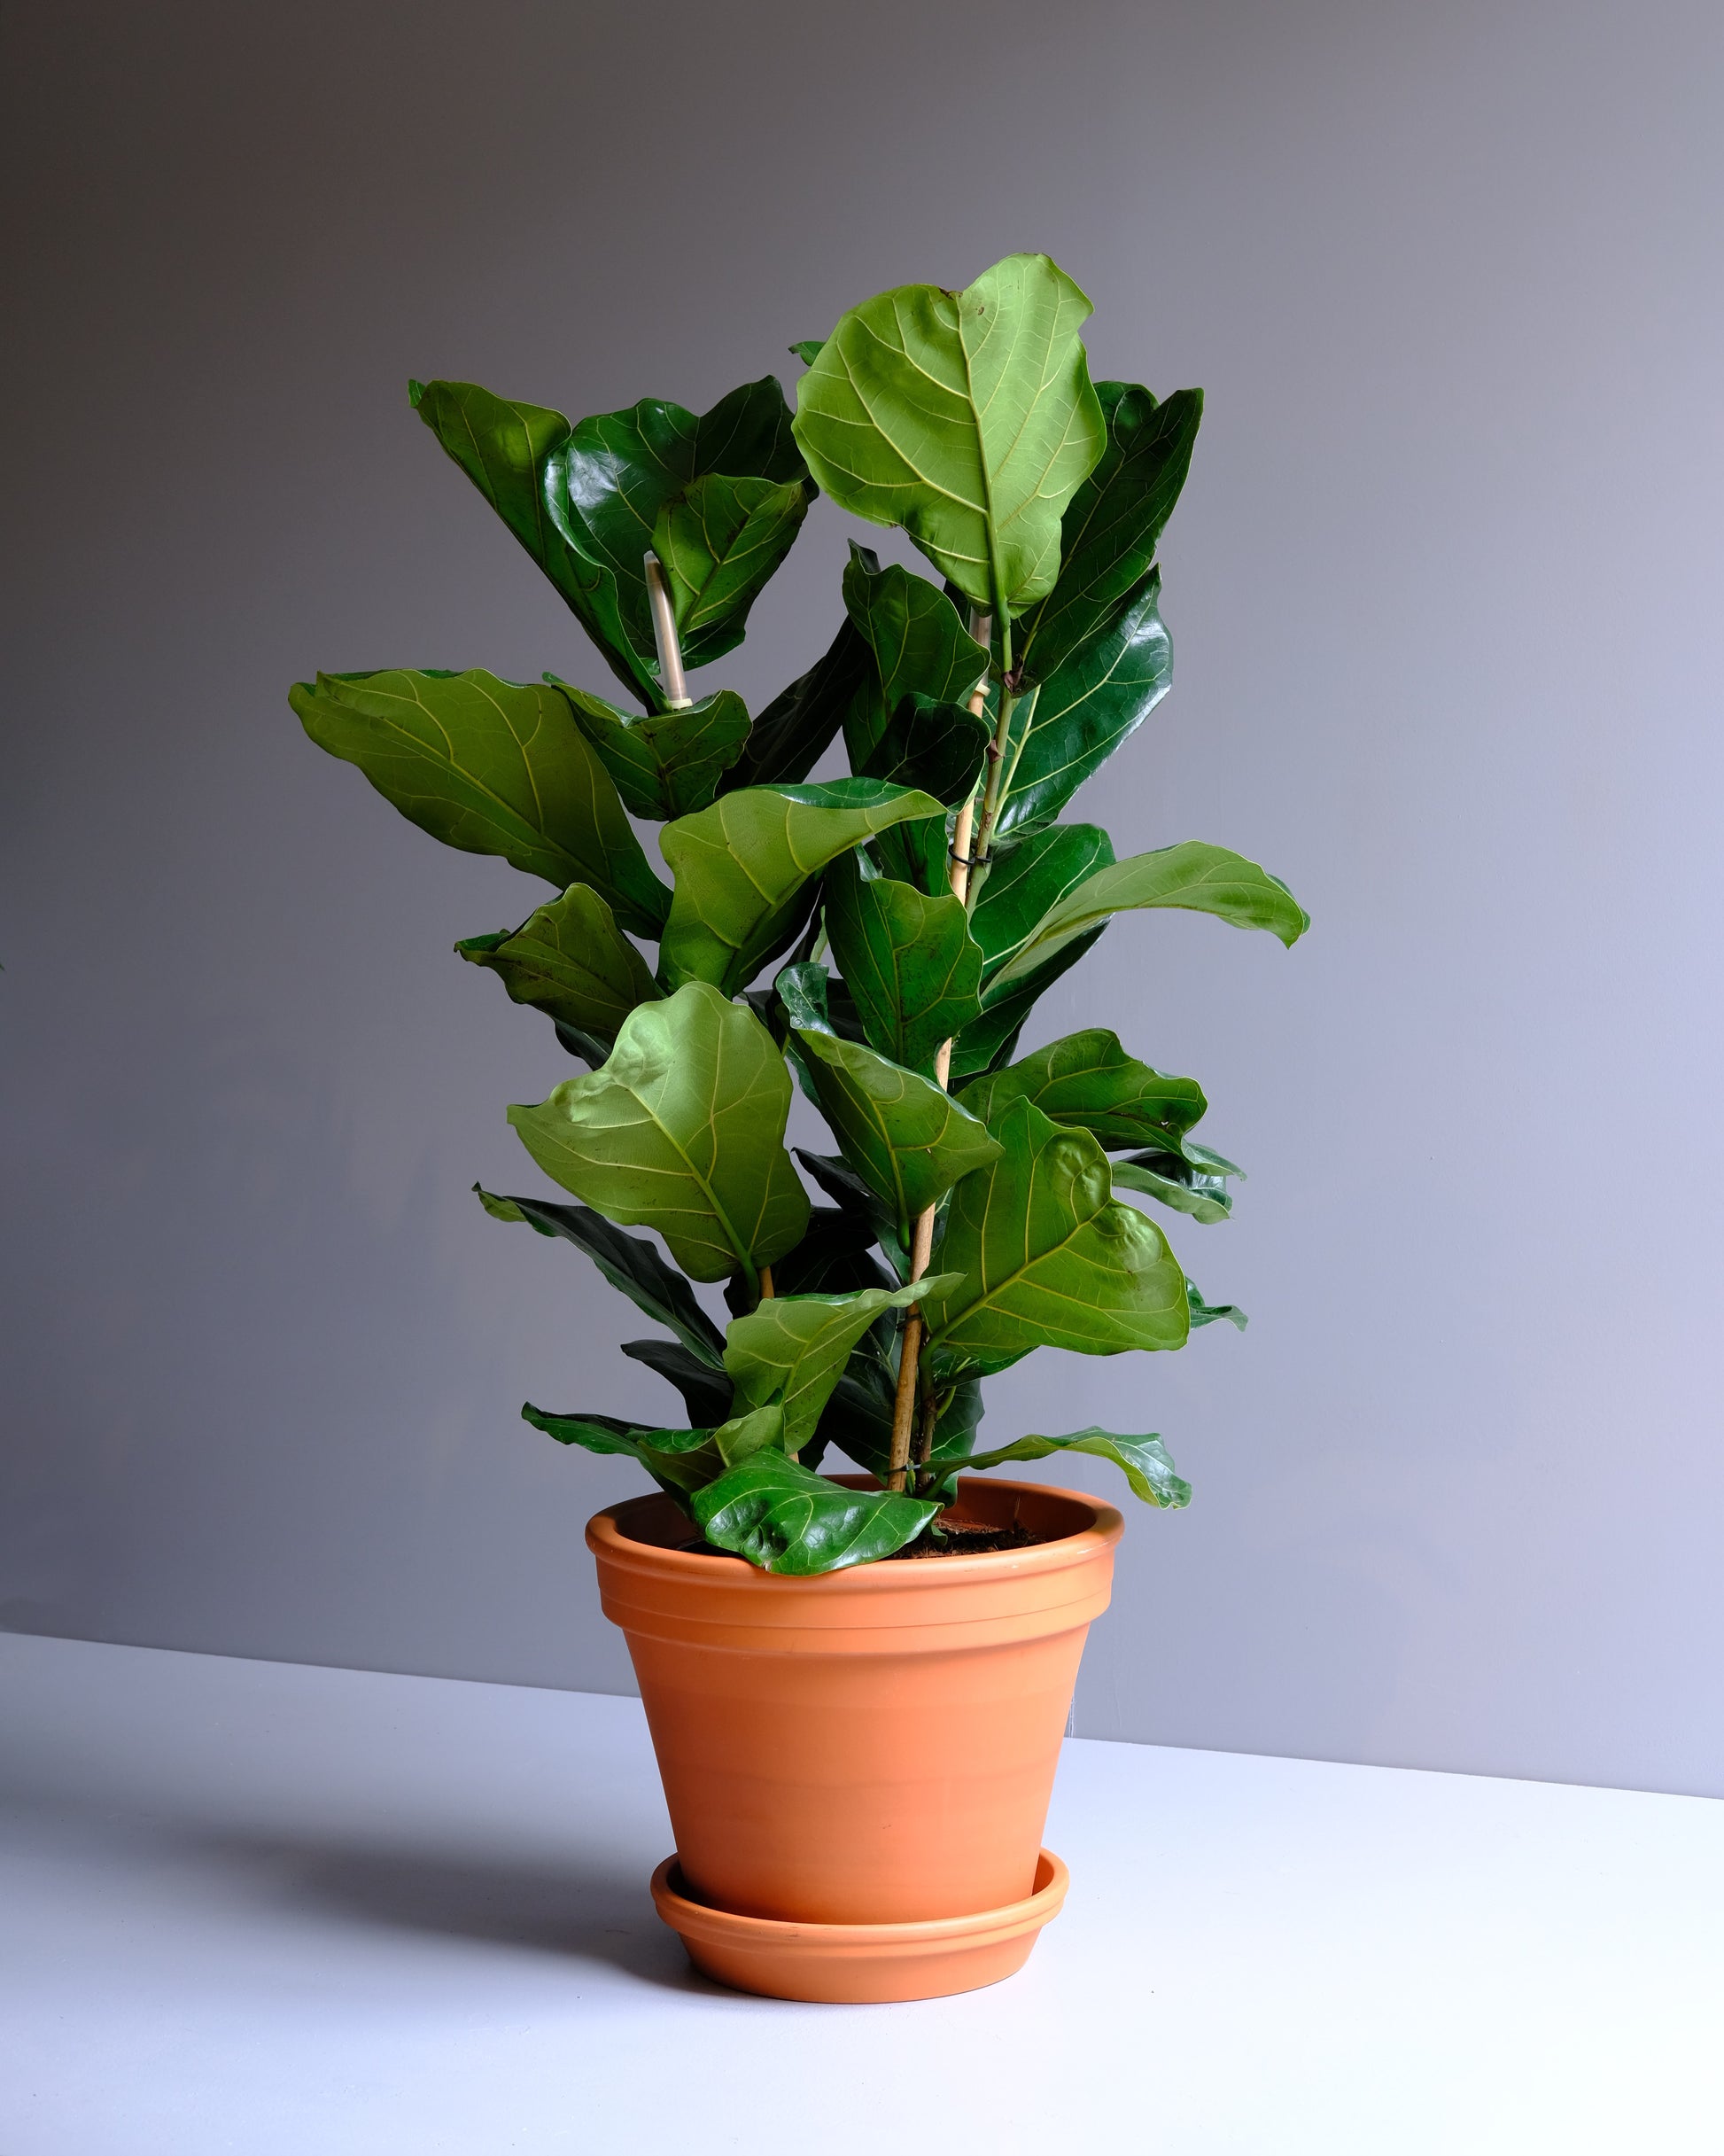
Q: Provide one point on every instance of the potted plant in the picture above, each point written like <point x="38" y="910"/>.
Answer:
<point x="857" y="1750"/>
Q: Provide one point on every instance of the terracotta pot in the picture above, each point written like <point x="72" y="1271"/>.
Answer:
<point x="874" y="1746"/>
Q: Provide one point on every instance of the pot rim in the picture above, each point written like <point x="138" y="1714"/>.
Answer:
<point x="607" y="1537"/>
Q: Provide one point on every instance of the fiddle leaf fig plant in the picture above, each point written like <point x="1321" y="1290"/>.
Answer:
<point x="878" y="937"/>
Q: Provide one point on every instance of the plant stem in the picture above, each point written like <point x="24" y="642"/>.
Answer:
<point x="766" y="1290"/>
<point x="921" y="1242"/>
<point x="664" y="635"/>
<point x="997" y="747"/>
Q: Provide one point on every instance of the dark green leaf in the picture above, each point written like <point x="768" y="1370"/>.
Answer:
<point x="706" y="1393"/>
<point x="792" y="734"/>
<point x="592" y="1048"/>
<point x="919" y="647"/>
<point x="741" y="866"/>
<point x="907" y="1139"/>
<point x="1088" y="1080"/>
<point x="1210" y="1313"/>
<point x="793" y="1349"/>
<point x="1177" y="1183"/>
<point x="1026" y="882"/>
<point x="1196" y="877"/>
<point x="680" y="1460"/>
<point x="630" y="1265"/>
<point x="967" y="417"/>
<point x="682" y="1131"/>
<point x="664" y="763"/>
<point x="937" y="747"/>
<point x="1084" y="709"/>
<point x="910" y="962"/>
<point x="834" y="1256"/>
<point x="506" y="450"/>
<point x="719" y="542"/>
<point x="989" y="1041"/>
<point x="809" y="350"/>
<point x="1049" y="1258"/>
<point x="845" y="1188"/>
<point x="784" y="1518"/>
<point x="1108" y="535"/>
<point x="571" y="960"/>
<point x="608" y="483"/>
<point x="491" y="766"/>
<point x="1145" y="1461"/>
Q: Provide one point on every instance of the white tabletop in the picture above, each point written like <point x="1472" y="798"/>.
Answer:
<point x="257" y="1908"/>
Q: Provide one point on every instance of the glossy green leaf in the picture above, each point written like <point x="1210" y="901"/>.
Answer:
<point x="809" y="350"/>
<point x="1084" y="709"/>
<point x="1196" y="877"/>
<point x="910" y="962"/>
<point x="784" y="1518"/>
<point x="490" y="766"/>
<point x="1088" y="1080"/>
<point x="858" y="1417"/>
<point x="631" y="1265"/>
<point x="506" y="450"/>
<point x="919" y="643"/>
<point x="707" y="1394"/>
<point x="939" y="748"/>
<point x="1199" y="1193"/>
<point x="1026" y="882"/>
<point x="664" y="763"/>
<point x="1049" y="1257"/>
<point x="793" y="1349"/>
<point x="682" y="1460"/>
<point x="793" y="733"/>
<point x="967" y="417"/>
<point x="834" y="1257"/>
<point x="571" y="961"/>
<point x="682" y="1131"/>
<point x="1108" y="535"/>
<point x="607" y="485"/>
<point x="1211" y="1314"/>
<point x="989" y="1041"/>
<point x="740" y="867"/>
<point x="1144" y="1459"/>
<point x="846" y="1189"/>
<point x="719" y="542"/>
<point x="907" y="1139"/>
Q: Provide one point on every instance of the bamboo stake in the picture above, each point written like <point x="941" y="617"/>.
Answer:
<point x="664" y="635"/>
<point x="921" y="1242"/>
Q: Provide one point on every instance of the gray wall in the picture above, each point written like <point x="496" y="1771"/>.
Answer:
<point x="1444" y="590"/>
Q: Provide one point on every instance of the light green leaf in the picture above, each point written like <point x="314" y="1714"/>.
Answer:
<point x="1211" y="1313"/>
<point x="1144" y="1459"/>
<point x="967" y="417"/>
<point x="741" y="865"/>
<point x="571" y="961"/>
<point x="491" y="766"/>
<point x="1088" y="1080"/>
<point x="808" y="350"/>
<point x="1108" y="534"/>
<point x="608" y="483"/>
<point x="1199" y="878"/>
<point x="909" y="961"/>
<point x="748" y="1433"/>
<point x="1049" y="1257"/>
<point x="1084" y="709"/>
<point x="665" y="763"/>
<point x="719" y="542"/>
<point x="784" y="1518"/>
<point x="908" y="1140"/>
<point x="682" y="1131"/>
<point x="793" y="1349"/>
<point x="919" y="647"/>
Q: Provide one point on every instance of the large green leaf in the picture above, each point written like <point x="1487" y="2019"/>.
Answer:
<point x="1026" y="882"/>
<point x="919" y="643"/>
<point x="1049" y="1257"/>
<point x="988" y="1042"/>
<point x="506" y="450"/>
<point x="784" y="1518"/>
<point x="607" y="485"/>
<point x="939" y="748"/>
<point x="666" y="762"/>
<point x="967" y="417"/>
<point x="1084" y="709"/>
<point x="792" y="1349"/>
<point x="629" y="1263"/>
<point x="1088" y="1080"/>
<point x="707" y="1394"/>
<point x="740" y="867"/>
<point x="835" y="1256"/>
<point x="1144" y="1459"/>
<point x="681" y="1460"/>
<point x="682" y="1131"/>
<point x="846" y="1189"/>
<point x="792" y="734"/>
<point x="909" y="961"/>
<point x="1108" y="535"/>
<point x="907" y="1139"/>
<point x="571" y="960"/>
<point x="491" y="766"/>
<point x="719" y="541"/>
<point x="1196" y="877"/>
